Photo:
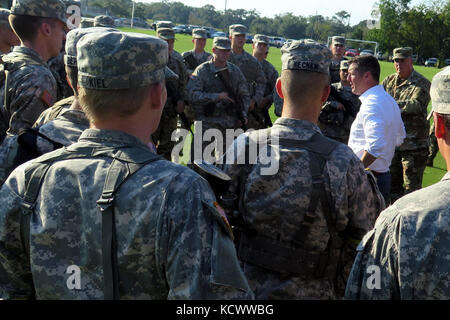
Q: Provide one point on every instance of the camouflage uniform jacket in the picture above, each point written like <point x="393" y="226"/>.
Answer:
<point x="205" y="56"/>
<point x="409" y="249"/>
<point x="335" y="123"/>
<point x="31" y="90"/>
<point x="253" y="72"/>
<point x="204" y="88"/>
<point x="285" y="196"/>
<point x="57" y="67"/>
<point x="176" y="64"/>
<point x="64" y="129"/>
<point x="335" y="68"/>
<point x="412" y="96"/>
<point x="271" y="77"/>
<point x="172" y="242"/>
<point x="51" y="113"/>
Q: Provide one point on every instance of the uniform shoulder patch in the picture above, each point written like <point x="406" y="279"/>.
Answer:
<point x="221" y="216"/>
<point x="47" y="98"/>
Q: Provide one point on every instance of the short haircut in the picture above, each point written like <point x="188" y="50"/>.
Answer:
<point x="367" y="64"/>
<point x="299" y="85"/>
<point x="72" y="74"/>
<point x="26" y="27"/>
<point x="122" y="103"/>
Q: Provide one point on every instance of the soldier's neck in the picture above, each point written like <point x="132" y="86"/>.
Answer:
<point x="40" y="49"/>
<point x="237" y="50"/>
<point x="75" y="104"/>
<point x="220" y="64"/>
<point x="259" y="57"/>
<point x="199" y="51"/>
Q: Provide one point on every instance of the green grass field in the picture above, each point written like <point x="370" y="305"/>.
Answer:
<point x="184" y="43"/>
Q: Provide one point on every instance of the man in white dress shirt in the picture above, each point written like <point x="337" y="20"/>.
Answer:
<point x="378" y="127"/>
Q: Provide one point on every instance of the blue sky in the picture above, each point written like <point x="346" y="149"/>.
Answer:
<point x="359" y="10"/>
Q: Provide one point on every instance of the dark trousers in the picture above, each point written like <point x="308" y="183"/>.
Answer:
<point x="384" y="184"/>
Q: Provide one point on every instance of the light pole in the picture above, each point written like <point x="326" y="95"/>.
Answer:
<point x="132" y="14"/>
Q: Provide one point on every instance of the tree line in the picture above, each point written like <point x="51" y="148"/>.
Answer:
<point x="424" y="27"/>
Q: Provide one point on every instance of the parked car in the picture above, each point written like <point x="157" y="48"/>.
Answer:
<point x="248" y="38"/>
<point x="278" y="41"/>
<point x="351" y="53"/>
<point x="180" y="29"/>
<point x="210" y="31"/>
<point x="431" y="62"/>
<point x="366" y="53"/>
<point x="447" y="62"/>
<point x="219" y="34"/>
<point x="381" y="56"/>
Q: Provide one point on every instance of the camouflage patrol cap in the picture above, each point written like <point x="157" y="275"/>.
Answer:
<point x="199" y="33"/>
<point x="55" y="9"/>
<point x="260" y="38"/>
<point x="104" y="21"/>
<point x="338" y="40"/>
<point x="237" y="29"/>
<point x="4" y="14"/>
<point x="306" y="55"/>
<point x="440" y="92"/>
<point x="222" y="43"/>
<point x="164" y="24"/>
<point x="402" y="53"/>
<point x="72" y="38"/>
<point x="165" y="33"/>
<point x="344" y="64"/>
<point x="121" y="60"/>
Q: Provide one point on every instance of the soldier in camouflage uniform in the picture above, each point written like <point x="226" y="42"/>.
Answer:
<point x="433" y="148"/>
<point x="407" y="255"/>
<point x="285" y="234"/>
<point x="335" y="119"/>
<point x="60" y="127"/>
<point x="8" y="38"/>
<point x="260" y="52"/>
<point x="195" y="57"/>
<point x="162" y="237"/>
<point x="176" y="97"/>
<point x="411" y="92"/>
<point x="30" y="86"/>
<point x="56" y="64"/>
<point x="252" y="71"/>
<point x="214" y="108"/>
<point x="104" y="21"/>
<point x="337" y="48"/>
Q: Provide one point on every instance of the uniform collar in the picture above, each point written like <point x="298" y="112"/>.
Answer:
<point x="111" y="138"/>
<point x="29" y="52"/>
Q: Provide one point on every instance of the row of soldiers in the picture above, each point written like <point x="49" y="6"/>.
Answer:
<point x="163" y="232"/>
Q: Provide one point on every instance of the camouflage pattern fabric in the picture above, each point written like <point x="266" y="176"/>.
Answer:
<point x="407" y="169"/>
<point x="104" y="64"/>
<point x="56" y="66"/>
<point x="256" y="80"/>
<point x="271" y="78"/>
<point x="103" y="21"/>
<point x="433" y="148"/>
<point x="335" y="123"/>
<point x="200" y="58"/>
<point x="168" y="124"/>
<point x="43" y="8"/>
<point x="172" y="241"/>
<point x="307" y="55"/>
<point x="285" y="196"/>
<point x="408" y="251"/>
<point x="412" y="96"/>
<point x="31" y="89"/>
<point x="204" y="89"/>
<point x="65" y="129"/>
<point x="335" y="68"/>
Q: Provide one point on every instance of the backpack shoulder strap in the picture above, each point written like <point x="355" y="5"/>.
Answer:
<point x="124" y="164"/>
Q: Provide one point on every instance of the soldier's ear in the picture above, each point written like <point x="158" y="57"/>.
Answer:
<point x="278" y="87"/>
<point x="440" y="130"/>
